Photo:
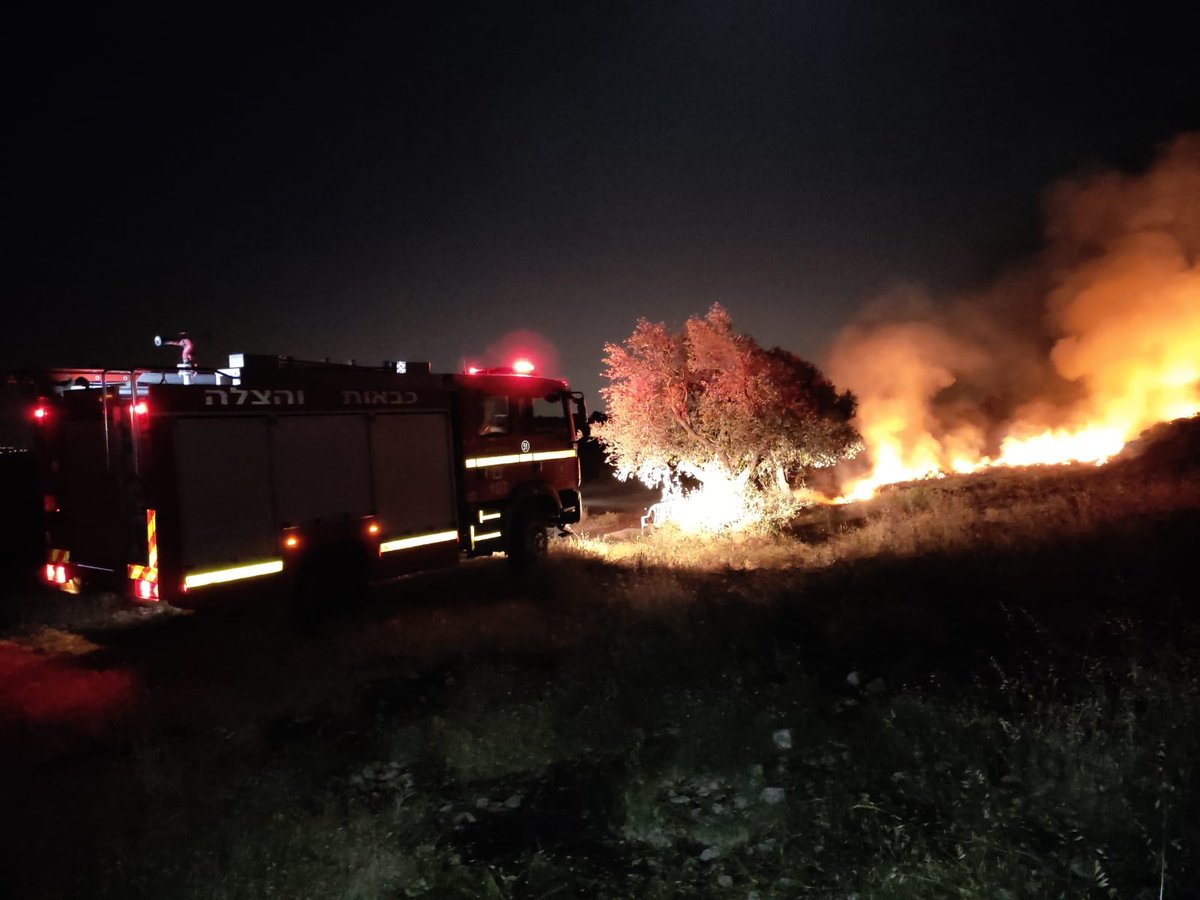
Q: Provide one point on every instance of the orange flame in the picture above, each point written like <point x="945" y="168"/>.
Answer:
<point x="1119" y="289"/>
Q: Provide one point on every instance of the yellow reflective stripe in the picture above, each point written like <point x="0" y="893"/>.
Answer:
<point x="479" y="462"/>
<point x="235" y="573"/>
<point x="554" y="454"/>
<point x="485" y="536"/>
<point x="488" y="516"/>
<point x="418" y="540"/>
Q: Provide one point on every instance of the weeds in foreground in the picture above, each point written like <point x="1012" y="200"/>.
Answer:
<point x="684" y="789"/>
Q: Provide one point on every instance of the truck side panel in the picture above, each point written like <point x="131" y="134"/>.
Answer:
<point x="412" y="459"/>
<point x="321" y="471"/>
<point x="224" y="484"/>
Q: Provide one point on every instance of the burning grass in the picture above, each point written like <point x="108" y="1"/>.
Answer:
<point x="1004" y="509"/>
<point x="961" y="384"/>
<point x="967" y="687"/>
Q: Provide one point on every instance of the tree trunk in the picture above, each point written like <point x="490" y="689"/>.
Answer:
<point x="781" y="480"/>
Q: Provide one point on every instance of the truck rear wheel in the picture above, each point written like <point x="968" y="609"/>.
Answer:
<point x="330" y="580"/>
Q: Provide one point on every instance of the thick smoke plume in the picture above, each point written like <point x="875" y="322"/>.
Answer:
<point x="1064" y="359"/>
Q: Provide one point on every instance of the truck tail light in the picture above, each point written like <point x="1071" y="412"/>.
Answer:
<point x="40" y="413"/>
<point x="141" y="408"/>
<point x="145" y="578"/>
<point x="63" y="577"/>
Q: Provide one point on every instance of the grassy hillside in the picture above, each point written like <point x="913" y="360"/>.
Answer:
<point x="974" y="687"/>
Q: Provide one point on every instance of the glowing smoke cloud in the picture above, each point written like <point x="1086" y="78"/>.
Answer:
<point x="1113" y="348"/>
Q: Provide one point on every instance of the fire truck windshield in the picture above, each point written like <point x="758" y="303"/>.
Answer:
<point x="549" y="414"/>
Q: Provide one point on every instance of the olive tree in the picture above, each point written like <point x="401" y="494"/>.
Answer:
<point x="707" y="396"/>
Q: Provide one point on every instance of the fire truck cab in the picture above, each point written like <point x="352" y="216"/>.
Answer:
<point x="167" y="483"/>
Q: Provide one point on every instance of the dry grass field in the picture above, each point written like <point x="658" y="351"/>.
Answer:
<point x="984" y="686"/>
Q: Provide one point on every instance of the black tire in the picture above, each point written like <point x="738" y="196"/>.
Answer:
<point x="331" y="580"/>
<point x="529" y="540"/>
<point x="355" y="578"/>
<point x="310" y="595"/>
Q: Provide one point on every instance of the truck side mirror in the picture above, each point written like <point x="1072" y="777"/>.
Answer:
<point x="579" y="416"/>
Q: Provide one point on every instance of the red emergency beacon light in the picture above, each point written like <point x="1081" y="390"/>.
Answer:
<point x="520" y="366"/>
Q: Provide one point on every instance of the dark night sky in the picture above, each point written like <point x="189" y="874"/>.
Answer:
<point x="416" y="181"/>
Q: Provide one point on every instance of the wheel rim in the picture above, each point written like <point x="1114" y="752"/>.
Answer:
<point x="539" y="542"/>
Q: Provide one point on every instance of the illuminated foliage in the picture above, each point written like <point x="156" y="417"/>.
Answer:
<point x="707" y="396"/>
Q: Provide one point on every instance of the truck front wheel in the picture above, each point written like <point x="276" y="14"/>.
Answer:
<point x="529" y="539"/>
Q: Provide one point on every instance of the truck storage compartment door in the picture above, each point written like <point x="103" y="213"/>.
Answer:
<point x="322" y="468"/>
<point x="96" y="503"/>
<point x="413" y="462"/>
<point x="224" y="490"/>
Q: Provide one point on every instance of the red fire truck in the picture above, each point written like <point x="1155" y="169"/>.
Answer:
<point x="167" y="483"/>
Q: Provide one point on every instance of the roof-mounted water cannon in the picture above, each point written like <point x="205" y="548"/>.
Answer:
<point x="183" y="342"/>
<point x="186" y="364"/>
